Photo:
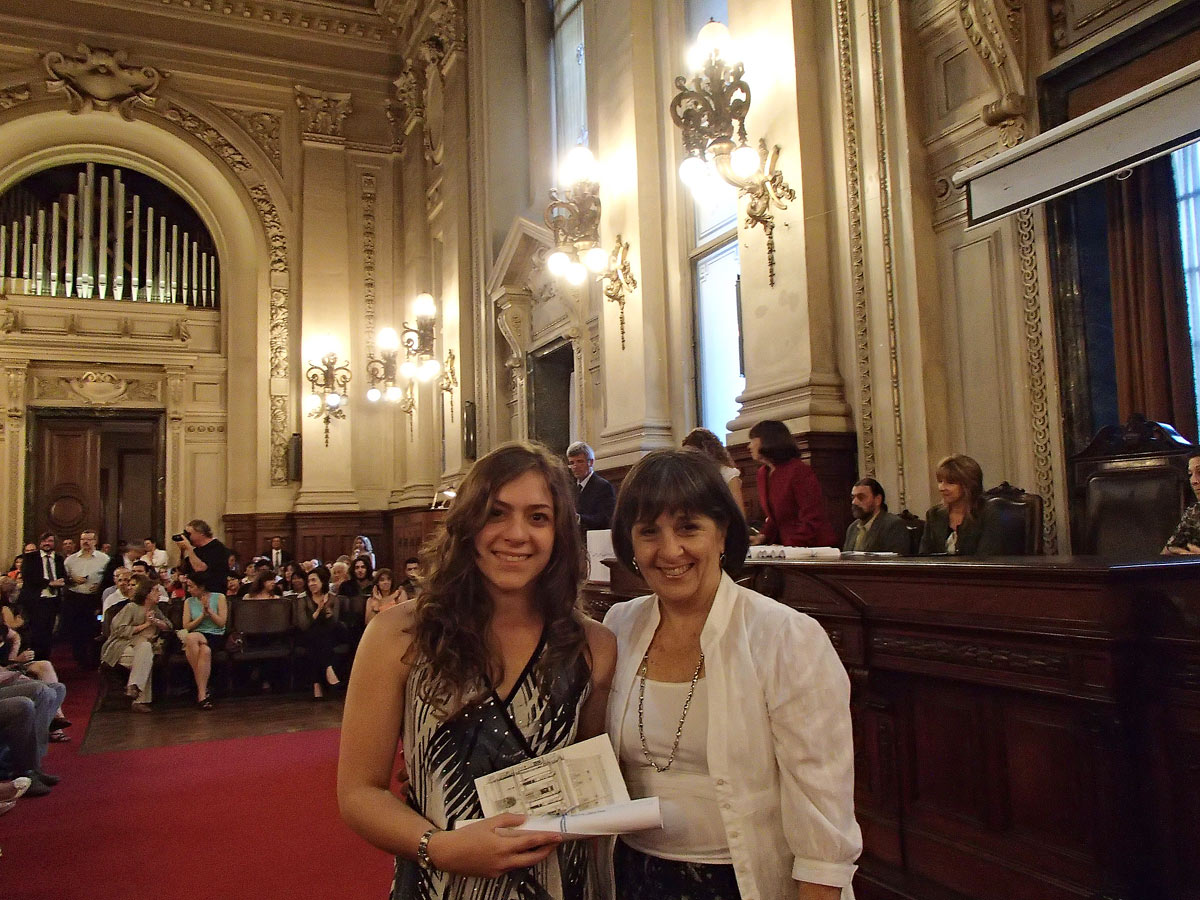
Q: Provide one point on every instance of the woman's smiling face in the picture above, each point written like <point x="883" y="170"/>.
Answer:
<point x="517" y="539"/>
<point x="679" y="555"/>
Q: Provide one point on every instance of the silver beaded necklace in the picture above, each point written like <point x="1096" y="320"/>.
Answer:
<point x="642" y="700"/>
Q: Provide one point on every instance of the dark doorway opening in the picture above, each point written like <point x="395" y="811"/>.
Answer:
<point x="550" y="372"/>
<point x="97" y="470"/>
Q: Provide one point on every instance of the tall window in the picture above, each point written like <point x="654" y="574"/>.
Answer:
<point x="1186" y="163"/>
<point x="569" y="73"/>
<point x="720" y="374"/>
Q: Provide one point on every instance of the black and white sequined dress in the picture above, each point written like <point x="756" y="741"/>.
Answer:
<point x="445" y="757"/>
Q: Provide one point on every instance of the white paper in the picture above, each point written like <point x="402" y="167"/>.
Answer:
<point x="577" y="790"/>
<point x="599" y="548"/>
<point x="775" y="551"/>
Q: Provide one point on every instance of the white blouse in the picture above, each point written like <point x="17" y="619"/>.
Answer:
<point x="783" y="767"/>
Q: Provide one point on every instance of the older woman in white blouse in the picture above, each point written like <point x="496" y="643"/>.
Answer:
<point x="729" y="706"/>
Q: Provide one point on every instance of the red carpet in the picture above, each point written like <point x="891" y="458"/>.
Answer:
<point x="244" y="819"/>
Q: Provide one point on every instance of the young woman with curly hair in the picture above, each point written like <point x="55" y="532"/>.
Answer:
<point x="492" y="665"/>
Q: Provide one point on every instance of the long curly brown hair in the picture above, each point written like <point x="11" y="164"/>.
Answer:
<point x="454" y="610"/>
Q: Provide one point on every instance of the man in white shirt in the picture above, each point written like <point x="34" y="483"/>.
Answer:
<point x="81" y="604"/>
<point x="157" y="558"/>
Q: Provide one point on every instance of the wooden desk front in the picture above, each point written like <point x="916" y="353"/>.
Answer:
<point x="1025" y="729"/>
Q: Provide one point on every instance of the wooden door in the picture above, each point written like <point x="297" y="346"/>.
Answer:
<point x="66" y="483"/>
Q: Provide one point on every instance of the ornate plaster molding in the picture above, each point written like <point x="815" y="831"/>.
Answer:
<point x="368" y="198"/>
<point x="15" y="96"/>
<point x="995" y="29"/>
<point x="263" y="128"/>
<point x="279" y="374"/>
<point x="448" y="35"/>
<point x="96" y="389"/>
<point x="101" y="79"/>
<point x="858" y="267"/>
<point x="407" y="109"/>
<point x="268" y="212"/>
<point x="14" y="384"/>
<point x="322" y="113"/>
<point x="342" y="23"/>
<point x="209" y="136"/>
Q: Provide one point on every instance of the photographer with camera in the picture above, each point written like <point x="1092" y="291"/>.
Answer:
<point x="202" y="557"/>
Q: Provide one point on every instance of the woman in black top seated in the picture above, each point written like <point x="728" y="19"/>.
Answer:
<point x="320" y="630"/>
<point x="1185" y="540"/>
<point x="962" y="524"/>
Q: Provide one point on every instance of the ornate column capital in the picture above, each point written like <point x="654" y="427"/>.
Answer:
<point x="322" y="113"/>
<point x="407" y="109"/>
<point x="15" y="378"/>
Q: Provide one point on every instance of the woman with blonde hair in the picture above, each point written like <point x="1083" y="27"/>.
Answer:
<point x="494" y="664"/>
<point x="962" y="524"/>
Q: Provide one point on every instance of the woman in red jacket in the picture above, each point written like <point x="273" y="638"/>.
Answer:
<point x="788" y="491"/>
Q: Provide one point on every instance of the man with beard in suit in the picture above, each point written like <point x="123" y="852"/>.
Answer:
<point x="597" y="497"/>
<point x="43" y="575"/>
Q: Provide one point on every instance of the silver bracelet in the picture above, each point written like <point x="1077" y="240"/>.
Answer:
<point x="423" y="850"/>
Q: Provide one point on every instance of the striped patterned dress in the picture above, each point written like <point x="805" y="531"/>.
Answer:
<point x="445" y="757"/>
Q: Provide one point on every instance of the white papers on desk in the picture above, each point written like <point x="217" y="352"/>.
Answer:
<point x="599" y="548"/>
<point x="577" y="790"/>
<point x="775" y="551"/>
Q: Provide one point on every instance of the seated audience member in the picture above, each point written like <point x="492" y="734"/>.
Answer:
<point x="233" y="586"/>
<point x="1185" y="540"/>
<point x="874" y="529"/>
<point x="118" y="592"/>
<point x="788" y="491"/>
<point x="205" y="615"/>
<point x="234" y="563"/>
<point x="340" y="581"/>
<point x="13" y="657"/>
<point x="132" y="638"/>
<point x="383" y="595"/>
<point x="309" y="564"/>
<point x="47" y="700"/>
<point x="362" y="573"/>
<point x="709" y="444"/>
<point x="297" y="585"/>
<point x="153" y="555"/>
<point x="363" y="547"/>
<point x="962" y="524"/>
<point x="286" y="571"/>
<point x="412" y="576"/>
<point x="320" y="630"/>
<point x="263" y="587"/>
<point x="18" y="733"/>
<point x="12" y="614"/>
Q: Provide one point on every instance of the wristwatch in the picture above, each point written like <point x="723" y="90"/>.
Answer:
<point x="423" y="850"/>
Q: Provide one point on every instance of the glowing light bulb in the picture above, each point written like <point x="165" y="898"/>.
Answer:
<point x="408" y="369"/>
<point x="693" y="171"/>
<point x="373" y="395"/>
<point x="312" y="401"/>
<point x="388" y="341"/>
<point x="424" y="307"/>
<point x="579" y="166"/>
<point x="596" y="259"/>
<point x="333" y="401"/>
<point x="429" y="370"/>
<point x="713" y="40"/>
<point x="393" y="394"/>
<point x="557" y="263"/>
<point x="577" y="273"/>
<point x="744" y="161"/>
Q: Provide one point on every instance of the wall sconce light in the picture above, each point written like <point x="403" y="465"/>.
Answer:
<point x="573" y="217"/>
<point x="419" y="361"/>
<point x="329" y="396"/>
<point x="382" y="371"/>
<point x="711" y="113"/>
<point x="390" y="378"/>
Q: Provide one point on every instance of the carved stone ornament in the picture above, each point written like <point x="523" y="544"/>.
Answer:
<point x="448" y="34"/>
<point x="264" y="129"/>
<point x="408" y="107"/>
<point x="322" y="113"/>
<point x="104" y="388"/>
<point x="101" y="79"/>
<point x="14" y="96"/>
<point x="209" y="136"/>
<point x="995" y="29"/>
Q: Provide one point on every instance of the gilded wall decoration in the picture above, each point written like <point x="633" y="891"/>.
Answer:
<point x="14" y="96"/>
<point x="995" y="29"/>
<point x="264" y="130"/>
<point x="368" y="198"/>
<point x="322" y="113"/>
<point x="101" y="79"/>
<point x="858" y="279"/>
<point x="209" y="136"/>
<point x="272" y="224"/>
<point x="888" y="245"/>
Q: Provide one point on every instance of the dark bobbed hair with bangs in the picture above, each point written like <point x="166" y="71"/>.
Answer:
<point x="679" y="481"/>
<point x="775" y="441"/>
<point x="453" y="612"/>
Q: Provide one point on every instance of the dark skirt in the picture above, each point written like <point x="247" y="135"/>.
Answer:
<point x="642" y="877"/>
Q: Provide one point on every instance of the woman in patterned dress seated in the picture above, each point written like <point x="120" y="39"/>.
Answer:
<point x="1185" y="541"/>
<point x="492" y="665"/>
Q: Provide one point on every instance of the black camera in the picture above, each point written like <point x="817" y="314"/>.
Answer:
<point x="178" y="538"/>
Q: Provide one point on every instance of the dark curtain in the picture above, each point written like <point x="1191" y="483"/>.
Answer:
<point x="1149" y="302"/>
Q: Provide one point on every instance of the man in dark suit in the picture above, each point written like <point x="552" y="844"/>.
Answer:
<point x="276" y="555"/>
<point x="42" y="578"/>
<point x="874" y="529"/>
<point x="597" y="497"/>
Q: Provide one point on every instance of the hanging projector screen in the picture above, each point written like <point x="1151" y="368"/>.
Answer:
<point x="1149" y="122"/>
